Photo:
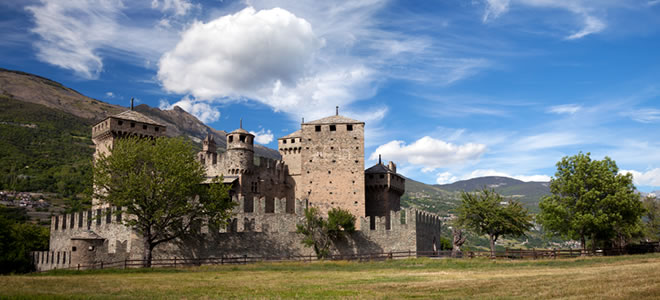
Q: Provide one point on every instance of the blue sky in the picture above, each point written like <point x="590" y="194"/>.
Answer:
<point x="449" y="90"/>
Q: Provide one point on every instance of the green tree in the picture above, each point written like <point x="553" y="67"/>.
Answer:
<point x="590" y="200"/>
<point x="320" y="234"/>
<point x="486" y="213"/>
<point x="160" y="185"/>
<point x="652" y="218"/>
<point x="17" y="239"/>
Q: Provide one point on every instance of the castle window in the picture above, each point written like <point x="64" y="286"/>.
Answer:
<point x="132" y="124"/>
<point x="308" y="171"/>
<point x="330" y="182"/>
<point x="334" y="161"/>
<point x="309" y="161"/>
<point x="231" y="138"/>
<point x="307" y="148"/>
<point x="317" y="127"/>
<point x="241" y="138"/>
<point x="332" y="148"/>
<point x="293" y="141"/>
<point x="330" y="193"/>
<point x="309" y="140"/>
<point x="349" y="127"/>
<point x="310" y="181"/>
<point x="357" y="148"/>
<point x="73" y="249"/>
<point x="329" y="171"/>
<point x="144" y="127"/>
<point x="120" y="123"/>
<point x="371" y="176"/>
<point x="283" y="141"/>
<point x="355" y="137"/>
<point x="356" y="161"/>
<point x="156" y="128"/>
<point x="382" y="176"/>
<point x="333" y="127"/>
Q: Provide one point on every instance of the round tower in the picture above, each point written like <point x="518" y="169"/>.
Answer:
<point x="240" y="151"/>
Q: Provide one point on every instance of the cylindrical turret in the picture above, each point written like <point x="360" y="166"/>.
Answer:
<point x="240" y="151"/>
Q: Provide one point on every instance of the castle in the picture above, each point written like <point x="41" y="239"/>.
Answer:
<point x="322" y="166"/>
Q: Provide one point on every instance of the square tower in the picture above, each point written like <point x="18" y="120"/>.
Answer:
<point x="332" y="164"/>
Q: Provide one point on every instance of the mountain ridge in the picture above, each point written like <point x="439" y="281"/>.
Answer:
<point x="36" y="89"/>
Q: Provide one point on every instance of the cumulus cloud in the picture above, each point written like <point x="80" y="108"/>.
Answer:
<point x="263" y="136"/>
<point x="445" y="178"/>
<point x="430" y="153"/>
<point x="648" y="178"/>
<point x="565" y="109"/>
<point x="249" y="53"/>
<point x="201" y="110"/>
<point x="110" y="95"/>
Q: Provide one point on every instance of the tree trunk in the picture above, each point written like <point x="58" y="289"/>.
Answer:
<point x="458" y="241"/>
<point x="492" y="245"/>
<point x="593" y="244"/>
<point x="147" y="253"/>
<point x="584" y="244"/>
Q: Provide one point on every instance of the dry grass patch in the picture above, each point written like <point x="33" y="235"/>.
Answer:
<point x="635" y="277"/>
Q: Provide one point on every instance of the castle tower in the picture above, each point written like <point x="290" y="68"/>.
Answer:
<point x="209" y="154"/>
<point x="239" y="157"/>
<point x="125" y="124"/>
<point x="384" y="188"/>
<point x="332" y="164"/>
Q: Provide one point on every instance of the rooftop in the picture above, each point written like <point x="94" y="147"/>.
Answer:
<point x="132" y="115"/>
<point x="297" y="133"/>
<point x="379" y="168"/>
<point x="337" y="119"/>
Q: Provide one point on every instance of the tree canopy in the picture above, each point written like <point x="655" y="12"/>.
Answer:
<point x="486" y="212"/>
<point x="17" y="239"/>
<point x="320" y="234"/>
<point x="161" y="187"/>
<point x="591" y="201"/>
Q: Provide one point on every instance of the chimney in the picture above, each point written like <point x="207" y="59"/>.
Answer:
<point x="392" y="166"/>
<point x="241" y="124"/>
<point x="131" y="103"/>
<point x="379" y="161"/>
<point x="337" y="110"/>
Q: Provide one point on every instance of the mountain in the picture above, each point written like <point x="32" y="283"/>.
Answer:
<point x="446" y="197"/>
<point x="34" y="89"/>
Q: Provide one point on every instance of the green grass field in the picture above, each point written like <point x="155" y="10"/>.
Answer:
<point x="624" y="277"/>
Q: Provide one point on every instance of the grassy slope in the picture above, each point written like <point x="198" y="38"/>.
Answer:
<point x="625" y="277"/>
<point x="43" y="149"/>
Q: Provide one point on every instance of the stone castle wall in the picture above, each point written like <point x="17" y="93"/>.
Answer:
<point x="257" y="233"/>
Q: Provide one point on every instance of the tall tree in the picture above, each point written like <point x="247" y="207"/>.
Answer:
<point x="160" y="186"/>
<point x="320" y="234"/>
<point x="590" y="200"/>
<point x="486" y="212"/>
<point x="652" y="218"/>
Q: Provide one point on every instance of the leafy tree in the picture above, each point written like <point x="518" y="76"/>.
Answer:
<point x="320" y="234"/>
<point x="17" y="239"/>
<point x="458" y="239"/>
<point x="485" y="213"/>
<point x="591" y="201"/>
<point x="652" y="218"/>
<point x="160" y="185"/>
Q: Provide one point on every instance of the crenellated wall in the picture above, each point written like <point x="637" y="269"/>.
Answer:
<point x="258" y="233"/>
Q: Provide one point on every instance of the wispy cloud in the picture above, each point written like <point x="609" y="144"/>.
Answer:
<point x="645" y="115"/>
<point x="263" y="136"/>
<point x="565" y="109"/>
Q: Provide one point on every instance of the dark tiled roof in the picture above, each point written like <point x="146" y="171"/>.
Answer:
<point x="335" y="120"/>
<point x="379" y="168"/>
<point x="132" y="115"/>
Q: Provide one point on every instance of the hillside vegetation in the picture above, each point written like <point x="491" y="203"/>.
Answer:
<point x="622" y="277"/>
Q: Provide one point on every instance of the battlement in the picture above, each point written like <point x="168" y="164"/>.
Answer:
<point x="86" y="220"/>
<point x="407" y="218"/>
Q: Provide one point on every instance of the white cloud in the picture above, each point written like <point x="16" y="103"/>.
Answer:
<point x="565" y="109"/>
<point x="647" y="115"/>
<point x="263" y="136"/>
<point x="547" y="140"/>
<point x="178" y="7"/>
<point x="75" y="35"/>
<point x="585" y="10"/>
<point x="445" y="178"/>
<point x="648" y="178"/>
<point x="494" y="8"/>
<point x="430" y="153"/>
<point x="110" y="95"/>
<point x="201" y="110"/>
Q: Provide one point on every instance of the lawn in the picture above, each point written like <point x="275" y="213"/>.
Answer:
<point x="624" y="277"/>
